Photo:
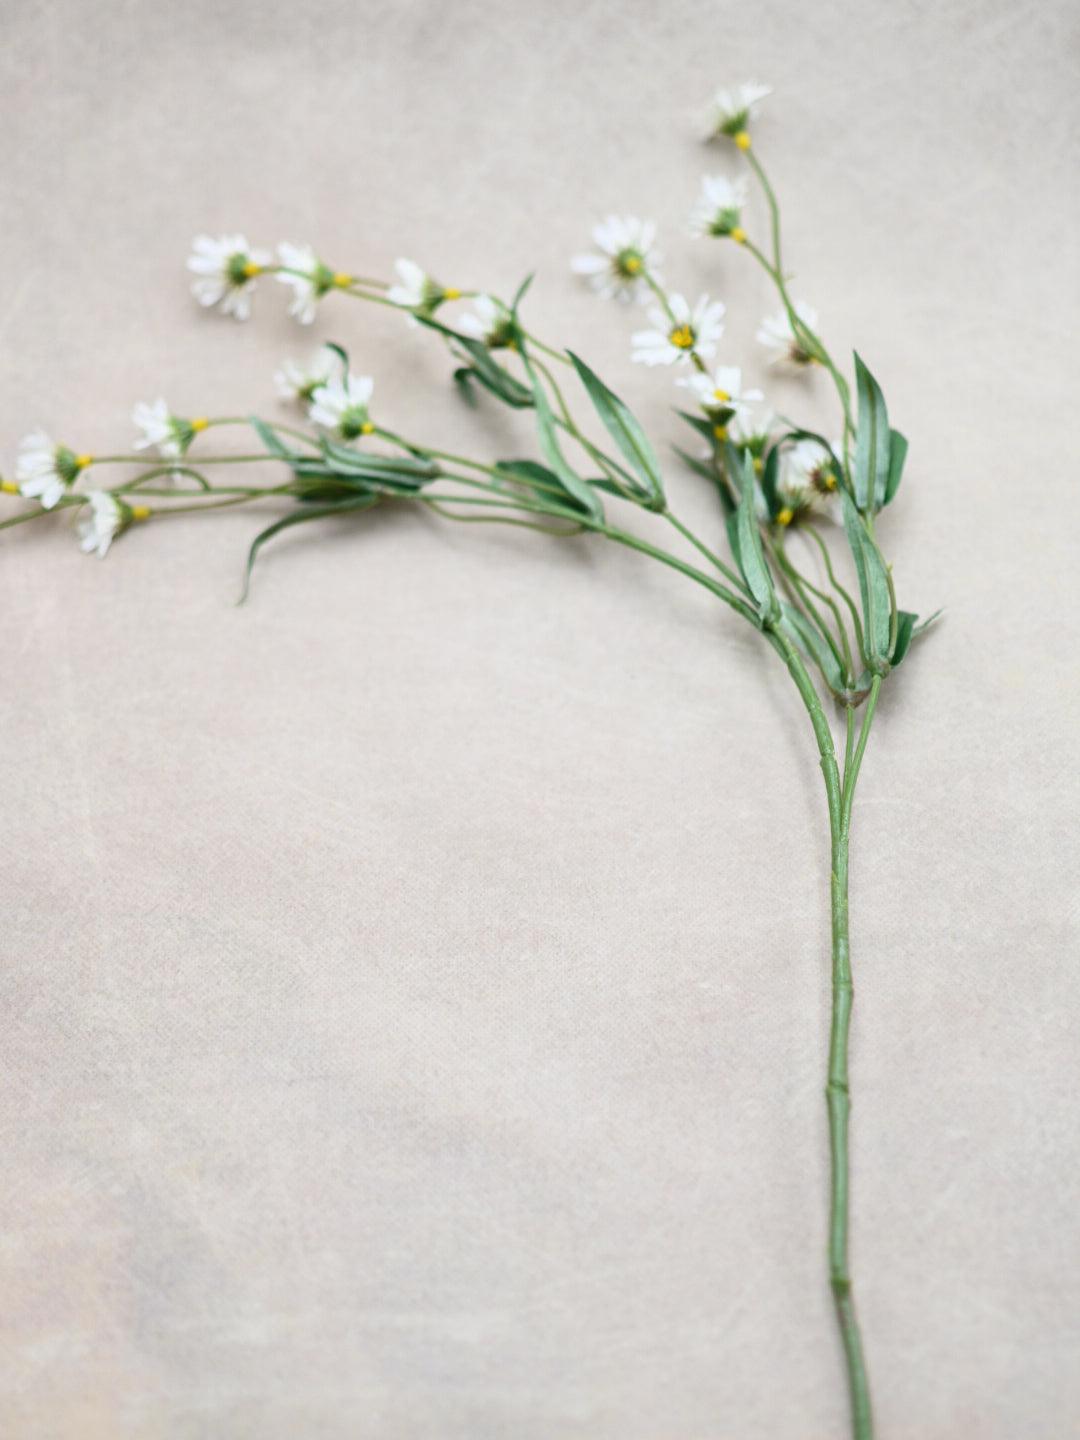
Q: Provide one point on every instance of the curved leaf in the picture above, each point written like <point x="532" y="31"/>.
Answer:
<point x="624" y="429"/>
<point x="871" y="441"/>
<point x="317" y="512"/>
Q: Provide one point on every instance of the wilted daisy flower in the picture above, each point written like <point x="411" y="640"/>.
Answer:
<point x="732" y="110"/>
<point x="226" y="268"/>
<point x="172" y="434"/>
<point x="416" y="290"/>
<point x="100" y="520"/>
<point x="721" y="394"/>
<point x="46" y="470"/>
<point x="811" y="467"/>
<point x="683" y="333"/>
<point x="342" y="406"/>
<point x="309" y="278"/>
<point x="777" y="335"/>
<point x="752" y="430"/>
<point x="299" y="379"/>
<point x="625" y="248"/>
<point x="719" y="207"/>
<point x="488" y="321"/>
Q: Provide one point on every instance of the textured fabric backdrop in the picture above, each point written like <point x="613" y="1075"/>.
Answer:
<point x="415" y="982"/>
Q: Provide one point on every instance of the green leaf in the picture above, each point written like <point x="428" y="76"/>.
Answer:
<point x="871" y="442"/>
<point x="488" y="371"/>
<point x="340" y="352"/>
<point x="270" y="439"/>
<point x="520" y="293"/>
<point x="699" y="467"/>
<point x="930" y="620"/>
<point x="624" y="429"/>
<point x="897" y="455"/>
<point x="770" y="475"/>
<point x="813" y="644"/>
<point x="393" y="473"/>
<point x="583" y="494"/>
<point x="502" y="385"/>
<point x="319" y="512"/>
<point x="873" y="587"/>
<point x="748" y="549"/>
<point x="905" y="630"/>
<point x="463" y="377"/>
<point x="700" y="424"/>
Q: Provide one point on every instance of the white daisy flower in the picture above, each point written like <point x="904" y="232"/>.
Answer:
<point x="299" y="379"/>
<point x="172" y="434"/>
<point x="777" y="335"/>
<point x="45" y="470"/>
<point x="732" y="110"/>
<point x="719" y="207"/>
<point x="309" y="278"/>
<point x="721" y="394"/>
<point x="683" y="333"/>
<point x="342" y="406"/>
<point x="416" y="290"/>
<point x="488" y="321"/>
<point x="226" y="269"/>
<point x="100" y="520"/>
<point x="626" y="251"/>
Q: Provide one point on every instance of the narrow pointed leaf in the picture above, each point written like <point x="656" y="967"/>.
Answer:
<point x="270" y="439"/>
<point x="873" y="587"/>
<point x="624" y="429"/>
<point x="700" y="424"/>
<point x="319" y="512"/>
<point x="748" y="549"/>
<point x="813" y="644"/>
<point x="699" y="467"/>
<point x="871" y="442"/>
<point x="905" y="631"/>
<point x="463" y="378"/>
<point x="897" y="455"/>
<point x="583" y="494"/>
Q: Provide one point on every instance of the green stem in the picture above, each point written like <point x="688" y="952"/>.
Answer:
<point x="838" y="1090"/>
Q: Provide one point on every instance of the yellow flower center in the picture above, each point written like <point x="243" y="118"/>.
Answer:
<point x="632" y="264"/>
<point x="199" y="423"/>
<point x="742" y="139"/>
<point x="720" y="431"/>
<point x="140" y="512"/>
<point x="82" y="461"/>
<point x="721" y="395"/>
<point x="452" y="294"/>
<point x="366" y="428"/>
<point x="828" y="479"/>
<point x="682" y="337"/>
<point x="786" y="516"/>
<point x="342" y="279"/>
<point x="759" y="466"/>
<point x="738" y="234"/>
<point x="9" y="487"/>
<point x="251" y="269"/>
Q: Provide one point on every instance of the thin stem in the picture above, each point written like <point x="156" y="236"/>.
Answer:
<point x="805" y="588"/>
<point x="844" y="594"/>
<point x="703" y="549"/>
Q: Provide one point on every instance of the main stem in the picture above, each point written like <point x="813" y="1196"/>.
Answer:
<point x="838" y="1090"/>
<point x="840" y="792"/>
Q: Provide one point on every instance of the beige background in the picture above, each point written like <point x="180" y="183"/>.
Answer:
<point x="415" y="982"/>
